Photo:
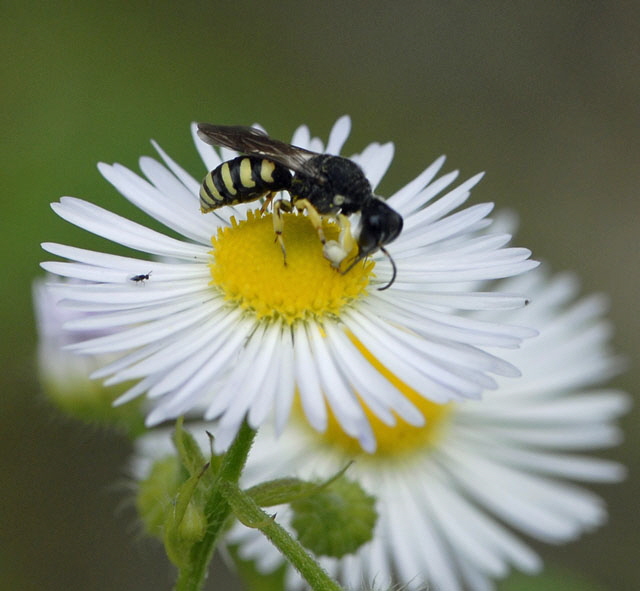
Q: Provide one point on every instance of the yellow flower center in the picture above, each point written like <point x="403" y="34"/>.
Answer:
<point x="249" y="268"/>
<point x="401" y="438"/>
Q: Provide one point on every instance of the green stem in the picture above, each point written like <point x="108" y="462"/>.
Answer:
<point x="249" y="513"/>
<point x="218" y="511"/>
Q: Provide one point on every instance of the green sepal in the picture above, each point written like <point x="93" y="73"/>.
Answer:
<point x="189" y="451"/>
<point x="287" y="490"/>
<point x="335" y="521"/>
<point x="171" y="500"/>
<point x="187" y="523"/>
<point x="154" y="498"/>
<point x="281" y="490"/>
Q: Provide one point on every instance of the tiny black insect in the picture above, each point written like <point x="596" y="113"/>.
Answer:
<point x="141" y="278"/>
<point x="324" y="185"/>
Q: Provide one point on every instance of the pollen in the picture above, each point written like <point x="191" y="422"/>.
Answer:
<point x="249" y="268"/>
<point x="396" y="440"/>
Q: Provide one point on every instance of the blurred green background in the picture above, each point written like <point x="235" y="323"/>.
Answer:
<point x="543" y="96"/>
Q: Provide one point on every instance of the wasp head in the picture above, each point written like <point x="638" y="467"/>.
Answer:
<point x="379" y="225"/>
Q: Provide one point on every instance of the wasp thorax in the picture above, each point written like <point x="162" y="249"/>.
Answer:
<point x="343" y="187"/>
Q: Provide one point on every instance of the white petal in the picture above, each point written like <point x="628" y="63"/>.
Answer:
<point x="182" y="347"/>
<point x="110" y="320"/>
<point x="118" y="229"/>
<point x="192" y="185"/>
<point x="181" y="215"/>
<point x="203" y="367"/>
<point x="338" y="135"/>
<point x="258" y="355"/>
<point x="442" y="206"/>
<point x="308" y="381"/>
<point x="341" y="399"/>
<point x="403" y="200"/>
<point x="142" y="335"/>
<point x="302" y="137"/>
<point x="375" y="161"/>
<point x="286" y="371"/>
<point x="377" y="392"/>
<point x="446" y="351"/>
<point x="166" y="271"/>
<point x="404" y="362"/>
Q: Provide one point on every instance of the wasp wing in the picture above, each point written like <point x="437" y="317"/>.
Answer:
<point x="253" y="142"/>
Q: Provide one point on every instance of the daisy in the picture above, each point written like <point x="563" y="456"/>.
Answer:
<point x="64" y="376"/>
<point x="450" y="494"/>
<point x="57" y="368"/>
<point x="214" y="319"/>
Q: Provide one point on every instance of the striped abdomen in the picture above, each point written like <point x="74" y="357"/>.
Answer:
<point x="242" y="179"/>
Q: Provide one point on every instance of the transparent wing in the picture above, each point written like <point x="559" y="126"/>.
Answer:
<point x="254" y="142"/>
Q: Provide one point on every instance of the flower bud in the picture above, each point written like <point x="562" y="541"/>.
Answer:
<point x="335" y="521"/>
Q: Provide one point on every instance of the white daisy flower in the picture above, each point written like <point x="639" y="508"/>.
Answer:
<point x="234" y="330"/>
<point x="450" y="494"/>
<point x="64" y="376"/>
<point x="56" y="366"/>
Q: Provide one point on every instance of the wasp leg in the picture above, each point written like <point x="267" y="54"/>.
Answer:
<point x="268" y="199"/>
<point x="314" y="217"/>
<point x="278" y="224"/>
<point x="347" y="241"/>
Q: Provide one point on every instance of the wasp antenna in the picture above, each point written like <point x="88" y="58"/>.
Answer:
<point x="394" y="268"/>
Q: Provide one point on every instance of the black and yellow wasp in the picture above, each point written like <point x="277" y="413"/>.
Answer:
<point x="324" y="185"/>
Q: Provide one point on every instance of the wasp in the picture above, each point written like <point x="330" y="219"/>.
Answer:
<point x="324" y="185"/>
<point x="141" y="278"/>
